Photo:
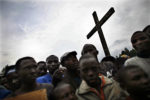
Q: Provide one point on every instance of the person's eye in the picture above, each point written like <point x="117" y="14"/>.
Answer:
<point x="142" y="38"/>
<point x="85" y="70"/>
<point x="49" y="62"/>
<point x="136" y="78"/>
<point x="94" y="68"/>
<point x="73" y="93"/>
<point x="66" y="95"/>
<point x="133" y="41"/>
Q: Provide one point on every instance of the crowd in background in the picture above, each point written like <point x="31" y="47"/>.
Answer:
<point x="86" y="78"/>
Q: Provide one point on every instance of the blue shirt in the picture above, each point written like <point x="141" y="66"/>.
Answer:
<point x="4" y="92"/>
<point x="44" y="79"/>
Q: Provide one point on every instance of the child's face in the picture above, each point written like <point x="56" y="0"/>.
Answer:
<point x="137" y="82"/>
<point x="89" y="71"/>
<point x="67" y="93"/>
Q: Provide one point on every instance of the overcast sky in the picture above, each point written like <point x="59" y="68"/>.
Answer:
<point x="39" y="28"/>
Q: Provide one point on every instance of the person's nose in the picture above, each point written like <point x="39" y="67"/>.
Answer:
<point x="145" y="81"/>
<point x="33" y="70"/>
<point x="138" y="42"/>
<point x="53" y="63"/>
<point x="90" y="73"/>
<point x="71" y="97"/>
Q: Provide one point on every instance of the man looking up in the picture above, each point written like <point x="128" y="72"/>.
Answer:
<point x="141" y="43"/>
<point x="26" y="70"/>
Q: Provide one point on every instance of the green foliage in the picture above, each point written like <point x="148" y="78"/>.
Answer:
<point x="130" y="53"/>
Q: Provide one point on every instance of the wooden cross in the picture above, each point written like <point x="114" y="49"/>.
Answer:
<point x="98" y="28"/>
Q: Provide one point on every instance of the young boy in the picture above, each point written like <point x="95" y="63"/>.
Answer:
<point x="133" y="79"/>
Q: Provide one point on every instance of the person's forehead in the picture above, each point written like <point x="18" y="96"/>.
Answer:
<point x="41" y="67"/>
<point x="52" y="59"/>
<point x="133" y="72"/>
<point x="27" y="62"/>
<point x="138" y="35"/>
<point x="71" y="56"/>
<point x="88" y="62"/>
<point x="89" y="48"/>
<point x="41" y="64"/>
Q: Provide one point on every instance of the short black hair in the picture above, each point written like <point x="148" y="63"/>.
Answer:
<point x="146" y="28"/>
<point x="108" y="58"/>
<point x="141" y="32"/>
<point x="20" y="60"/>
<point x="86" y="46"/>
<point x="41" y="62"/>
<point x="66" y="55"/>
<point x="51" y="56"/>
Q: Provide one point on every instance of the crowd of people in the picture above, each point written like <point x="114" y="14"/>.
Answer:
<point x="67" y="78"/>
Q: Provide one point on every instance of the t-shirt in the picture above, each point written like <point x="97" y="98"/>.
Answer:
<point x="44" y="79"/>
<point x="4" y="92"/>
<point x="143" y="63"/>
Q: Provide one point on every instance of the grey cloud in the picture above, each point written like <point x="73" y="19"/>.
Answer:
<point x="134" y="16"/>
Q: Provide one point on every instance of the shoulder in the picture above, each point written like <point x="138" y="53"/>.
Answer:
<point x="41" y="77"/>
<point x="131" y="60"/>
<point x="112" y="89"/>
<point x="44" y="79"/>
<point x="46" y="85"/>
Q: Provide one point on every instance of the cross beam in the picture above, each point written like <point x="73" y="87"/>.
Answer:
<point x="100" y="32"/>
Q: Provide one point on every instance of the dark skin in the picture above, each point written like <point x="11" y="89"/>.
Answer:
<point x="89" y="72"/>
<point x="41" y="69"/>
<point x="71" y="63"/>
<point x="27" y="75"/>
<point x="137" y="83"/>
<point x="67" y="94"/>
<point x="52" y="64"/>
<point x="141" y="43"/>
<point x="71" y="75"/>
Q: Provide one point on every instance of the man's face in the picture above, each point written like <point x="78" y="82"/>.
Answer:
<point x="41" y="69"/>
<point x="27" y="71"/>
<point x="67" y="94"/>
<point x="141" y="42"/>
<point x="89" y="71"/>
<point x="137" y="82"/>
<point x="52" y="64"/>
<point x="71" y="62"/>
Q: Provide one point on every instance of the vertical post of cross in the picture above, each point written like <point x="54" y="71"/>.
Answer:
<point x="101" y="35"/>
<point x="98" y="28"/>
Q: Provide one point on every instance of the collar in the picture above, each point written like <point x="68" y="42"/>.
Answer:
<point x="85" y="88"/>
